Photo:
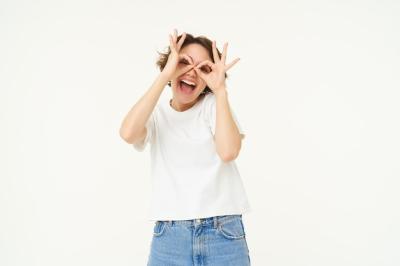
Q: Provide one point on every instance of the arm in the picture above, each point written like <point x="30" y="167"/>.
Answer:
<point x="227" y="137"/>
<point x="133" y="127"/>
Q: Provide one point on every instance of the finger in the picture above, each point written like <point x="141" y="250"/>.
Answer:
<point x="173" y="36"/>
<point x="171" y="42"/>
<point x="205" y="62"/>
<point x="206" y="66"/>
<point x="223" y="57"/>
<point x="200" y="73"/>
<point x="180" y="71"/>
<point x="215" y="53"/>
<point x="185" y="69"/>
<point x="232" y="63"/>
<point x="181" y="40"/>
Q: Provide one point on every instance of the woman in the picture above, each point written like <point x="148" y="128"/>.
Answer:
<point x="198" y="197"/>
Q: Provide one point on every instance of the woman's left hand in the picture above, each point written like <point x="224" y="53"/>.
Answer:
<point x="214" y="73"/>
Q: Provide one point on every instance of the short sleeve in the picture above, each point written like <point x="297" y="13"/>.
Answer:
<point x="150" y="125"/>
<point x="212" y="117"/>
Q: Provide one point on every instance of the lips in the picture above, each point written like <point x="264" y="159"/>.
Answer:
<point x="187" y="86"/>
<point x="187" y="89"/>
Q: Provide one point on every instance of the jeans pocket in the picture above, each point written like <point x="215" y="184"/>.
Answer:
<point x="159" y="228"/>
<point x="232" y="228"/>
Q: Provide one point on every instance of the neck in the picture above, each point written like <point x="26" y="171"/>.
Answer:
<point x="182" y="107"/>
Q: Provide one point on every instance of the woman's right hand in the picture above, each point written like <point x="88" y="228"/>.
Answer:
<point x="171" y="71"/>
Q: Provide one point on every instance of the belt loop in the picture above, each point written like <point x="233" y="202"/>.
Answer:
<point x="215" y="221"/>
<point x="170" y="222"/>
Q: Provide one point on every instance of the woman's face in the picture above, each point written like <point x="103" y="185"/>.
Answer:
<point x="184" y="93"/>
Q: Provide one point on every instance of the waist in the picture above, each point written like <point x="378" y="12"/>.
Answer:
<point x="204" y="221"/>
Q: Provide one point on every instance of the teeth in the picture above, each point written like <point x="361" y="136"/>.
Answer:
<point x="189" y="82"/>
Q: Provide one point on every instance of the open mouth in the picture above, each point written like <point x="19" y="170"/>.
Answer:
<point x="187" y="86"/>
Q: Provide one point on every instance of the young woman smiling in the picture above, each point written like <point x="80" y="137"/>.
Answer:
<point x="198" y="196"/>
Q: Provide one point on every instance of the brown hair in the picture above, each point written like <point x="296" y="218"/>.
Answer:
<point x="189" y="39"/>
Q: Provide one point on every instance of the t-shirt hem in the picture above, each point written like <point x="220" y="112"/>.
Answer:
<point x="206" y="215"/>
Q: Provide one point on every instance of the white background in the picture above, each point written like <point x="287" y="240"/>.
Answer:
<point x="316" y="90"/>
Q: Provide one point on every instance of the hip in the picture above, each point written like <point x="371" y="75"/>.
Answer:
<point x="217" y="240"/>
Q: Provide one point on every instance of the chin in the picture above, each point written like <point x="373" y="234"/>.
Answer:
<point x="185" y="96"/>
<point x="186" y="99"/>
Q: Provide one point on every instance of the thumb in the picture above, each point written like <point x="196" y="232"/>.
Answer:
<point x="184" y="70"/>
<point x="200" y="73"/>
<point x="187" y="68"/>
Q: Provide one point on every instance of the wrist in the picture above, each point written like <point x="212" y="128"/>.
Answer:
<point x="163" y="77"/>
<point x="221" y="92"/>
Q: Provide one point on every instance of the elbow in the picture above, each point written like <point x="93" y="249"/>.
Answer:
<point x="123" y="134"/>
<point x="126" y="136"/>
<point x="228" y="151"/>
<point x="228" y="157"/>
<point x="133" y="135"/>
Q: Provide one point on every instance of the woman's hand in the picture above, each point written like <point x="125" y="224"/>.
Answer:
<point x="214" y="73"/>
<point x="170" y="70"/>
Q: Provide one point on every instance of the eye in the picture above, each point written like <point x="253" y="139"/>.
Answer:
<point x="206" y="69"/>
<point x="184" y="61"/>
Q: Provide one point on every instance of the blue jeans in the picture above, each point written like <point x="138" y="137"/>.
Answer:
<point x="212" y="241"/>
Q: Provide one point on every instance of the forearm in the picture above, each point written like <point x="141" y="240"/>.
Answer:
<point x="138" y="115"/>
<point x="227" y="135"/>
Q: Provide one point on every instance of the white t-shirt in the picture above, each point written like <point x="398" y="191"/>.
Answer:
<point x="188" y="178"/>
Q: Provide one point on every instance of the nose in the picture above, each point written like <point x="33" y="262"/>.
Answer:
<point x="191" y="72"/>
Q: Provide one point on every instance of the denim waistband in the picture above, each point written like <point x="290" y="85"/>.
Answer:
<point x="204" y="221"/>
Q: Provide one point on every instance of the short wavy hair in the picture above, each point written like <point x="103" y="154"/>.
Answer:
<point x="189" y="39"/>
